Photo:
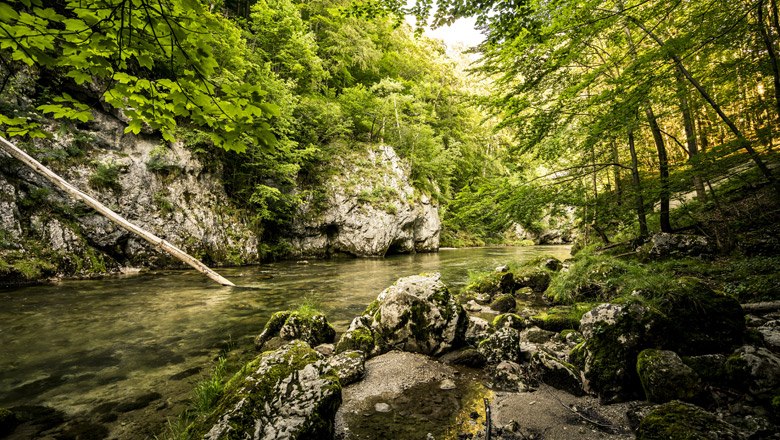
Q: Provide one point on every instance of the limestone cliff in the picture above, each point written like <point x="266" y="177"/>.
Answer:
<point x="370" y="209"/>
<point x="162" y="188"/>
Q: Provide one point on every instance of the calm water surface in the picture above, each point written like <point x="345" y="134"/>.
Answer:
<point x="78" y="345"/>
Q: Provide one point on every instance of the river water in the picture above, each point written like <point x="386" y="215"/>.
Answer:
<point x="125" y="352"/>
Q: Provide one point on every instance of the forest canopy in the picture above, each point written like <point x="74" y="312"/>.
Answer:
<point x="611" y="113"/>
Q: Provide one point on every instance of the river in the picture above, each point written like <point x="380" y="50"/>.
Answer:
<point x="125" y="352"/>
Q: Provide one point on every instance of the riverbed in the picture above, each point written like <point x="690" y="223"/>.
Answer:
<point x="125" y="352"/>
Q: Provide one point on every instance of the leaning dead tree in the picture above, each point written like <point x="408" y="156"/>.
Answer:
<point x="71" y="190"/>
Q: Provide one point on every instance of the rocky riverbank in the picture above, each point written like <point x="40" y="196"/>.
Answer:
<point x="422" y="362"/>
<point x="631" y="351"/>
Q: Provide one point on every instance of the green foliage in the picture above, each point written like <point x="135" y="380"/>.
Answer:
<point x="158" y="161"/>
<point x="162" y="202"/>
<point x="603" y="278"/>
<point x="208" y="391"/>
<point x="157" y="70"/>
<point x="106" y="176"/>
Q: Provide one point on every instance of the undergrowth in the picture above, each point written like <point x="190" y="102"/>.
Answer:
<point x="595" y="277"/>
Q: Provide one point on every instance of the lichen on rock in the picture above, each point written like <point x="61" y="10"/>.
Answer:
<point x="416" y="314"/>
<point x="290" y="393"/>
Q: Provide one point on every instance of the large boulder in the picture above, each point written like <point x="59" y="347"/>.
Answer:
<point x="664" y="245"/>
<point x="690" y="320"/>
<point x="678" y="420"/>
<point x="290" y="393"/>
<point x="367" y="207"/>
<point x="665" y="377"/>
<point x="416" y="314"/>
<point x="613" y="338"/>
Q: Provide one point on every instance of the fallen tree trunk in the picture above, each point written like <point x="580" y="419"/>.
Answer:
<point x="761" y="307"/>
<point x="69" y="189"/>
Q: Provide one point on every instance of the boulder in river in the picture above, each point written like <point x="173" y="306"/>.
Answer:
<point x="416" y="314"/>
<point x="290" y="393"/>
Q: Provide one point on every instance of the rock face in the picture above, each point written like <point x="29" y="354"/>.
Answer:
<point x="9" y="213"/>
<point x="163" y="189"/>
<point x="416" y="314"/>
<point x="371" y="209"/>
<point x="291" y="393"/>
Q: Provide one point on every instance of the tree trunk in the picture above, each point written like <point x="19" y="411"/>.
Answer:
<point x="690" y="135"/>
<point x="616" y="172"/>
<point x="770" y="49"/>
<point x="639" y="200"/>
<point x="663" y="168"/>
<point x="704" y="94"/>
<point x="72" y="191"/>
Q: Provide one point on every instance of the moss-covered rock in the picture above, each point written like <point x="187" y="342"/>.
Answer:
<point x="689" y="319"/>
<point x="357" y="337"/>
<point x="552" y="264"/>
<point x="557" y="372"/>
<point x="711" y="368"/>
<point x="418" y="314"/>
<point x="682" y="421"/>
<point x="538" y="280"/>
<point x="492" y="283"/>
<point x="512" y="320"/>
<point x="756" y="370"/>
<point x="556" y="320"/>
<point x="477" y="329"/>
<point x="700" y="320"/>
<point x="349" y="365"/>
<point x="304" y="324"/>
<point x="665" y="377"/>
<point x="503" y="345"/>
<point x="614" y="336"/>
<point x="577" y="355"/>
<point x="503" y="303"/>
<point x="288" y="393"/>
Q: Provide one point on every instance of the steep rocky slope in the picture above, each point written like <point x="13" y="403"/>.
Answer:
<point x="369" y="208"/>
